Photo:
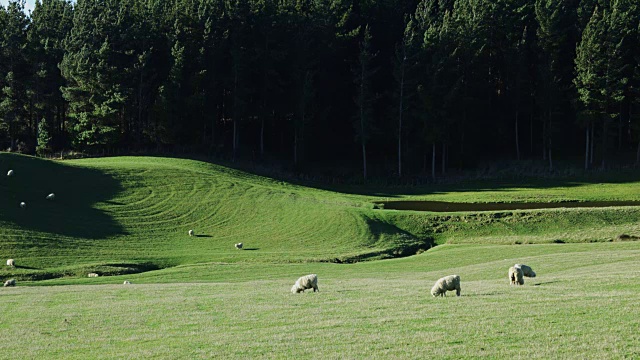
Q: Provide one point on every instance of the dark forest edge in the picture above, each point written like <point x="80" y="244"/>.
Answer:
<point x="370" y="89"/>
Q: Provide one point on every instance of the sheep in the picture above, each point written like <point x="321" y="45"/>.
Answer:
<point x="92" y="275"/>
<point x="11" y="262"/>
<point x="238" y="246"/>
<point x="10" y="173"/>
<point x="447" y="283"/>
<point x="526" y="270"/>
<point x="11" y="282"/>
<point x="51" y="196"/>
<point x="191" y="233"/>
<point x="304" y="283"/>
<point x="127" y="282"/>
<point x="23" y="205"/>
<point x="516" y="276"/>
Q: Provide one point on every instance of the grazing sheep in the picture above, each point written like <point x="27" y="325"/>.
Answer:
<point x="191" y="233"/>
<point x="238" y="246"/>
<point x="526" y="270"/>
<point x="11" y="282"/>
<point x="92" y="275"/>
<point x="304" y="283"/>
<point x="127" y="282"/>
<point x="23" y="205"/>
<point x="516" y="276"/>
<point x="447" y="283"/>
<point x="51" y="196"/>
<point x="10" y="173"/>
<point x="11" y="262"/>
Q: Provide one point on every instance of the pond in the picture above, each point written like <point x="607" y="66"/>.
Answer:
<point x="442" y="206"/>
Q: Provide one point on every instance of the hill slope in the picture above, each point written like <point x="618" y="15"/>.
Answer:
<point x="127" y="214"/>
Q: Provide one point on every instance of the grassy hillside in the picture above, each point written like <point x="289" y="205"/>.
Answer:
<point x="131" y="214"/>
<point x="122" y="214"/>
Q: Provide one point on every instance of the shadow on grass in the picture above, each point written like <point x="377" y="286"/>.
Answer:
<point x="531" y="175"/>
<point x="76" y="189"/>
<point x="26" y="267"/>
<point x="546" y="282"/>
<point x="204" y="236"/>
<point x="250" y="249"/>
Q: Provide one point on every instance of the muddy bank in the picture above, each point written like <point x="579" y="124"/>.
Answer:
<point x="441" y="206"/>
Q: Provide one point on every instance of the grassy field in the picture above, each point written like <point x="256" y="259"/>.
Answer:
<point x="198" y="297"/>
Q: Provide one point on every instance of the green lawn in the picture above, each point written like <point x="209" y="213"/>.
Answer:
<point x="198" y="297"/>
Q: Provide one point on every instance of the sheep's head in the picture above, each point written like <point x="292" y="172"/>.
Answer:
<point x="295" y="289"/>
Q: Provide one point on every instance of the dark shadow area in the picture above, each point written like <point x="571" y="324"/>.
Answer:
<point x="401" y="244"/>
<point x="26" y="267"/>
<point x="441" y="206"/>
<point x="84" y="270"/>
<point x="250" y="249"/>
<point x="533" y="176"/>
<point x="526" y="174"/>
<point x="544" y="283"/>
<point x="76" y="189"/>
<point x="203" y="236"/>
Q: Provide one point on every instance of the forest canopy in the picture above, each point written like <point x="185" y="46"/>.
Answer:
<point x="384" y="86"/>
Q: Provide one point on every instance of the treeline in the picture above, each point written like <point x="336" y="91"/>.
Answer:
<point x="387" y="86"/>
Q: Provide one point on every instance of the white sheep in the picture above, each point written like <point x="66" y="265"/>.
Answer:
<point x="191" y="233"/>
<point x="10" y="173"/>
<point x="304" y="283"/>
<point x="92" y="275"/>
<point x="11" y="282"/>
<point x="447" y="283"/>
<point x="11" y="262"/>
<point x="51" y="196"/>
<point x="238" y="246"/>
<point x="127" y="282"/>
<point x="516" y="276"/>
<point x="23" y="205"/>
<point x="526" y="270"/>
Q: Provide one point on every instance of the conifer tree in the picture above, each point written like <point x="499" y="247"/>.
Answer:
<point x="363" y="73"/>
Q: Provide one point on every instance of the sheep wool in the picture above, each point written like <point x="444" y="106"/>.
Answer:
<point x="10" y="173"/>
<point x="191" y="233"/>
<point x="11" y="262"/>
<point x="92" y="275"/>
<point x="51" y="196"/>
<point x="127" y="282"/>
<point x="238" y="246"/>
<point x="304" y="283"/>
<point x="526" y="270"/>
<point x="516" y="276"/>
<point x="447" y="283"/>
<point x="23" y="205"/>
<point x="11" y="282"/>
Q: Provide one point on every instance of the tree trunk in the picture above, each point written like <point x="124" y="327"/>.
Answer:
<point x="444" y="158"/>
<point x="433" y="161"/>
<point x="517" y="138"/>
<point x="544" y="139"/>
<point x="295" y="147"/>
<point x="604" y="143"/>
<point x="235" y="138"/>
<point x="261" y="137"/>
<point x="593" y="141"/>
<point x="586" y="150"/>
<point x="364" y="160"/>
<point x="400" y="120"/>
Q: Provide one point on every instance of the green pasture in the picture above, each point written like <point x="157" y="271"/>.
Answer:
<point x="127" y="218"/>
<point x="582" y="305"/>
